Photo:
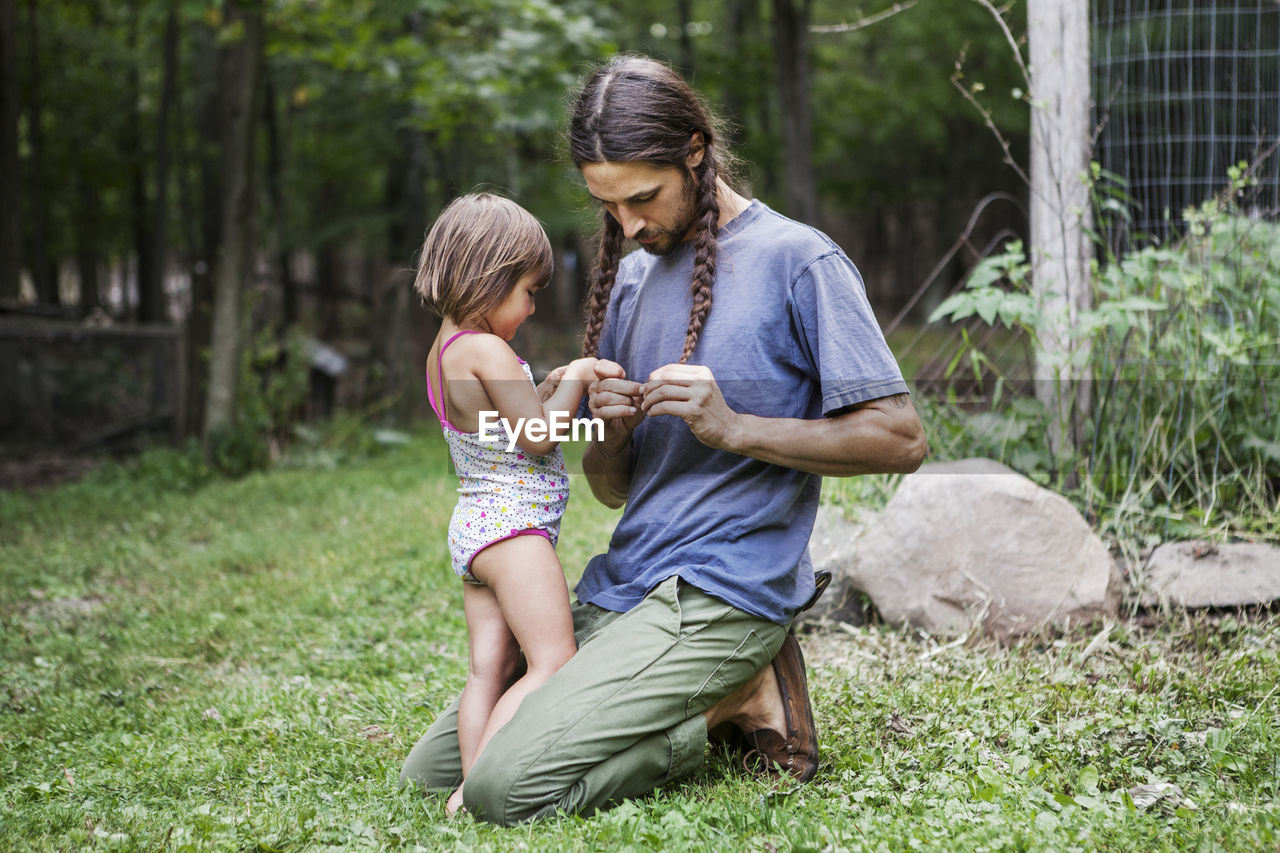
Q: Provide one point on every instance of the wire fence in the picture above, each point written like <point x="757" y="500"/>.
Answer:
<point x="1183" y="90"/>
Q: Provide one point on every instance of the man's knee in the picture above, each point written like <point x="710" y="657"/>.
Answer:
<point x="492" y="792"/>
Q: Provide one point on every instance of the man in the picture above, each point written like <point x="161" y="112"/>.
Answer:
<point x="718" y="430"/>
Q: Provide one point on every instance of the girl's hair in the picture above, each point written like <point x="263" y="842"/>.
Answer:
<point x="476" y="252"/>
<point x="638" y="109"/>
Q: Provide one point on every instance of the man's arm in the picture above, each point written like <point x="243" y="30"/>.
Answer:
<point x="876" y="437"/>
<point x="607" y="463"/>
<point x="879" y="436"/>
<point x="608" y="474"/>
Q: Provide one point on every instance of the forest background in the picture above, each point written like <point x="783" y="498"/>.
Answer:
<point x="297" y="151"/>
<point x="213" y="210"/>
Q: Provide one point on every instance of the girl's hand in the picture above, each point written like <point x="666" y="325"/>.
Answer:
<point x="549" y="385"/>
<point x="580" y="370"/>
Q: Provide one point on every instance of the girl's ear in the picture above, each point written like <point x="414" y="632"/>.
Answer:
<point x="697" y="147"/>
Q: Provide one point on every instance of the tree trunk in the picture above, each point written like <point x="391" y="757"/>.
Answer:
<point x="10" y="193"/>
<point x="43" y="271"/>
<point x="735" y="45"/>
<point x="88" y="204"/>
<point x="138" y="207"/>
<point x="237" y="226"/>
<point x="155" y="303"/>
<point x="1058" y="32"/>
<point x="406" y="201"/>
<point x="791" y="51"/>
<point x="275" y="191"/>
<point x="328" y="286"/>
<point x="199" y="202"/>
<point x="684" y="11"/>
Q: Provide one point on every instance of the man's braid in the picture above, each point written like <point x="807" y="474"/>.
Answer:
<point x="704" y="261"/>
<point x="606" y="272"/>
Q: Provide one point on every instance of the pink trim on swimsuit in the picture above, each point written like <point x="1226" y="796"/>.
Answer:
<point x="431" y="399"/>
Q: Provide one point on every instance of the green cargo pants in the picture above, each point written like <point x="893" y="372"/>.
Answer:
<point x="622" y="717"/>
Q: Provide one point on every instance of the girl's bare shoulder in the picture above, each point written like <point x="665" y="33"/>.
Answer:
<point x="483" y="356"/>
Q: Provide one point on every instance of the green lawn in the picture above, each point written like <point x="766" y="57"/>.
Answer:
<point x="244" y="667"/>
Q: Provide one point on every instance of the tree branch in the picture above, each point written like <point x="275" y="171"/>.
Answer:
<point x="863" y="23"/>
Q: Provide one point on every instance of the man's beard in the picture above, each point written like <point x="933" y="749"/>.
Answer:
<point x="664" y="241"/>
<point x="667" y="240"/>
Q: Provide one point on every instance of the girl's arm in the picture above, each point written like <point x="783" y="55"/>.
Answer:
<point x="575" y="377"/>
<point x="489" y="359"/>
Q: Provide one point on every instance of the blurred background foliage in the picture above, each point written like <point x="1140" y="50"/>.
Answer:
<point x="370" y="116"/>
<point x="119" y="124"/>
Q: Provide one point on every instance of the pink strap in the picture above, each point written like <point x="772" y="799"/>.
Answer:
<point x="431" y="398"/>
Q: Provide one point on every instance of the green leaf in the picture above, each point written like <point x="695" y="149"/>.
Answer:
<point x="1088" y="779"/>
<point x="1269" y="449"/>
<point x="957" y="306"/>
<point x="988" y="305"/>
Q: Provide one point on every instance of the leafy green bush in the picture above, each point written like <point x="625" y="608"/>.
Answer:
<point x="1181" y="353"/>
<point x="237" y="449"/>
<point x="270" y="402"/>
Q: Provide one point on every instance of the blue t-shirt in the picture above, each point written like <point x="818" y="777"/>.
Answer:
<point x="790" y="335"/>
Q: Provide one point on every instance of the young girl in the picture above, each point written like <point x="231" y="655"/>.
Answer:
<point x="483" y="262"/>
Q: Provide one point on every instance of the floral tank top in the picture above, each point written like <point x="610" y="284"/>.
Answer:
<point x="500" y="494"/>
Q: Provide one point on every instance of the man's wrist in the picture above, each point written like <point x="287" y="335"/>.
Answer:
<point x="602" y="447"/>
<point x="736" y="431"/>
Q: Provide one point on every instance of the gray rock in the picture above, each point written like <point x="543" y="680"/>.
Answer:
<point x="1202" y="574"/>
<point x="973" y="542"/>
<point x="832" y="546"/>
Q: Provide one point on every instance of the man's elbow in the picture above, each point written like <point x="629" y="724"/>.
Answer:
<point x="613" y="501"/>
<point x="912" y="452"/>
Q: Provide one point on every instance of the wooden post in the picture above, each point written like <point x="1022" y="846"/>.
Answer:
<point x="1058" y="32"/>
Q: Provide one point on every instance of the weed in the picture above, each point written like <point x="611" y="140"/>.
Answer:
<point x="1183" y="368"/>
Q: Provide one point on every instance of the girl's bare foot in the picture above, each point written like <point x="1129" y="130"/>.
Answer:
<point x="455" y="802"/>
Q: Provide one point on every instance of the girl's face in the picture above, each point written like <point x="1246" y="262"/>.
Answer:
<point x="506" y="317"/>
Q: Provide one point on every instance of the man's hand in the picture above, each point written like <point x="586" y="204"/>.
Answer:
<point x="690" y="392"/>
<point x="615" y="400"/>
<point x="607" y="463"/>
<point x="877" y="436"/>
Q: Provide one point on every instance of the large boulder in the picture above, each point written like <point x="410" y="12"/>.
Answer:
<point x="970" y="542"/>
<point x="1201" y="574"/>
<point x="832" y="547"/>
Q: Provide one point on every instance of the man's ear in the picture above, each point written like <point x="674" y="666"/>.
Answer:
<point x="697" y="147"/>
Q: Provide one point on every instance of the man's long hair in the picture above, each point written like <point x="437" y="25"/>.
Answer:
<point x="638" y="109"/>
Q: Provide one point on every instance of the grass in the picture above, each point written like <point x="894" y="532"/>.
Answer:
<point x="244" y="667"/>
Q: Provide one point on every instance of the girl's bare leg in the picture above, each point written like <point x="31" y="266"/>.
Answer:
<point x="492" y="661"/>
<point x="525" y="577"/>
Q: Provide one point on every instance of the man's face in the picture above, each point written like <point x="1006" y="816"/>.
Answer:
<point x="653" y="205"/>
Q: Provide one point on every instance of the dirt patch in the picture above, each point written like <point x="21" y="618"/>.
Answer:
<point x="57" y="613"/>
<point x="80" y="606"/>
